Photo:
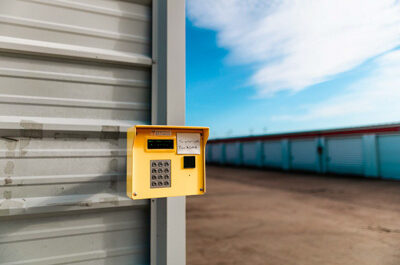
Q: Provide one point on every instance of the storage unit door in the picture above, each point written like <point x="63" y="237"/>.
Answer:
<point x="389" y="156"/>
<point x="74" y="75"/>
<point x="273" y="154"/>
<point x="304" y="154"/>
<point x="232" y="153"/>
<point x="217" y="153"/>
<point x="345" y="156"/>
<point x="251" y="153"/>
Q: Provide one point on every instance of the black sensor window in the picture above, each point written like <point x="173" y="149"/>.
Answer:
<point x="160" y="144"/>
<point x="189" y="162"/>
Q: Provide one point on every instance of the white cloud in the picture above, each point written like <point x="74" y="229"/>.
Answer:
<point x="373" y="99"/>
<point x="297" y="43"/>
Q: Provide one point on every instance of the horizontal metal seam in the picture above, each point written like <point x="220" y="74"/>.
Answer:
<point x="70" y="231"/>
<point x="67" y="203"/>
<point x="59" y="179"/>
<point x="68" y="77"/>
<point x="78" y="103"/>
<point x="32" y="23"/>
<point x="67" y="124"/>
<point x="94" y="9"/>
<point x="92" y="255"/>
<point x="72" y="51"/>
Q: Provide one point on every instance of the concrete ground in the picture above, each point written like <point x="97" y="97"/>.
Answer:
<point x="251" y="216"/>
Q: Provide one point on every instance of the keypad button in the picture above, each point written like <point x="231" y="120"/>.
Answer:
<point x="160" y="174"/>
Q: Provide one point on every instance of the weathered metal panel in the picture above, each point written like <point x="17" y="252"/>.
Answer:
<point x="114" y="30"/>
<point x="74" y="75"/>
<point x="114" y="236"/>
<point x="252" y="153"/>
<point x="304" y="154"/>
<point x="272" y="154"/>
<point x="345" y="155"/>
<point x="233" y="153"/>
<point x="389" y="156"/>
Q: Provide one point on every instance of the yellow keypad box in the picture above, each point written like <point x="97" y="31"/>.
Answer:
<point x="165" y="161"/>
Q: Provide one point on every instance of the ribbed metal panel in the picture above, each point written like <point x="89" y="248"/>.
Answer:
<point x="272" y="154"/>
<point x="74" y="75"/>
<point x="345" y="155"/>
<point x="389" y="156"/>
<point x="116" y="236"/>
<point x="304" y="154"/>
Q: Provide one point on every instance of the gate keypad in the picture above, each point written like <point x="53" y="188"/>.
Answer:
<point x="160" y="174"/>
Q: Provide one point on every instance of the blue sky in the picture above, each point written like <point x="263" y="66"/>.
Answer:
<point x="257" y="66"/>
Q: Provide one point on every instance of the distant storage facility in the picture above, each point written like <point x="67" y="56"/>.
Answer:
<point x="372" y="151"/>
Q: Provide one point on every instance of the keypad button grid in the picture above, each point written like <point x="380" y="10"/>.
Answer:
<point x="160" y="174"/>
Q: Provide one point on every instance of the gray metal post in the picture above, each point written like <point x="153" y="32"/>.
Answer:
<point x="168" y="216"/>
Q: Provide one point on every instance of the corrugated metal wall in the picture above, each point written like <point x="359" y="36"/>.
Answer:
<point x="74" y="75"/>
<point x="369" y="155"/>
